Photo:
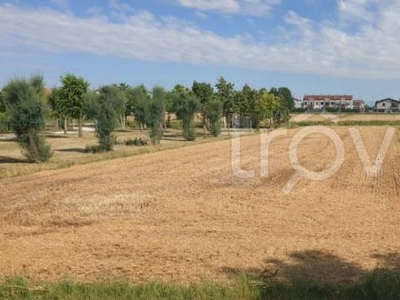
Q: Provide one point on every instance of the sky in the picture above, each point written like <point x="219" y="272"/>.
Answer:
<point x="310" y="46"/>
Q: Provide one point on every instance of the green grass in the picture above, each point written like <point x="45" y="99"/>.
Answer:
<point x="370" y="123"/>
<point x="311" y="123"/>
<point x="345" y="123"/>
<point x="375" y="286"/>
<point x="21" y="289"/>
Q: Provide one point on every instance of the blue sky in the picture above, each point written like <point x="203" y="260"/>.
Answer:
<point x="310" y="46"/>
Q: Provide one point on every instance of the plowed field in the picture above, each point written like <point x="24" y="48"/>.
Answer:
<point x="183" y="215"/>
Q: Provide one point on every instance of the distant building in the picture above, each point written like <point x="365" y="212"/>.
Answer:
<point x="387" y="105"/>
<point x="47" y="91"/>
<point x="359" y="105"/>
<point x="328" y="101"/>
<point x="297" y="103"/>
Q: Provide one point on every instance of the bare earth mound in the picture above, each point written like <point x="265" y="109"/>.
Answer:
<point x="182" y="215"/>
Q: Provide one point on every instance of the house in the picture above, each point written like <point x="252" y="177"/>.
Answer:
<point x="297" y="103"/>
<point x="47" y="91"/>
<point x="359" y="105"/>
<point x="387" y="105"/>
<point x="328" y="101"/>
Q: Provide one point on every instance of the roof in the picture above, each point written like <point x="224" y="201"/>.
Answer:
<point x="47" y="91"/>
<point x="297" y="99"/>
<point x="324" y="97"/>
<point x="358" y="101"/>
<point x="388" y="99"/>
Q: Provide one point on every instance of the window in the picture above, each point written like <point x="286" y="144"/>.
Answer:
<point x="383" y="104"/>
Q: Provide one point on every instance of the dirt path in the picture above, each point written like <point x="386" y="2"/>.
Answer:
<point x="182" y="215"/>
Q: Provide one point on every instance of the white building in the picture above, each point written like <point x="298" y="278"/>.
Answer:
<point x="387" y="105"/>
<point x="328" y="101"/>
<point x="297" y="103"/>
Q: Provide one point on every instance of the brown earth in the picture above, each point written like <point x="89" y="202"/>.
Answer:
<point x="69" y="150"/>
<point x="345" y="117"/>
<point x="182" y="215"/>
<point x="370" y="117"/>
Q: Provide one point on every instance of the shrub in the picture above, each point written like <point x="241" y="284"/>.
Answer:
<point x="299" y="110"/>
<point x="106" y="123"/>
<point x="185" y="104"/>
<point x="214" y="114"/>
<point x="215" y="128"/>
<point x="175" y="124"/>
<point x="103" y="107"/>
<point x="136" y="142"/>
<point x="4" y="122"/>
<point x="156" y="115"/>
<point x="189" y="131"/>
<point x="332" y="109"/>
<point x="27" y="116"/>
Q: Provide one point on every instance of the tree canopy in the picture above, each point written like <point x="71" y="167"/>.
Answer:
<point x="72" y="97"/>
<point x="226" y="95"/>
<point x="157" y="114"/>
<point x="185" y="105"/>
<point x="204" y="93"/>
<point x="25" y="99"/>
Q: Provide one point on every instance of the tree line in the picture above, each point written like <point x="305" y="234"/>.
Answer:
<point x="24" y="107"/>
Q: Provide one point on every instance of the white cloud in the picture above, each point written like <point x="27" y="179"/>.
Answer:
<point x="356" y="10"/>
<point x="245" y="7"/>
<point x="372" y="52"/>
<point x="95" y="10"/>
<point x="64" y="4"/>
<point x="201" y="15"/>
<point x="227" y="6"/>
<point x="303" y="24"/>
<point x="119" y="5"/>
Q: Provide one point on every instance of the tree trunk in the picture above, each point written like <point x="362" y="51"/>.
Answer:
<point x="57" y="124"/>
<point x="65" y="126"/>
<point x="204" y="127"/>
<point x="80" y="125"/>
<point x="33" y="146"/>
<point x="122" y="122"/>
<point x="228" y="123"/>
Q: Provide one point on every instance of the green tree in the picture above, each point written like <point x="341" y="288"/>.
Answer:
<point x="2" y="102"/>
<point x="267" y="106"/>
<point x="105" y="108"/>
<point x="286" y="98"/>
<point x="185" y="105"/>
<point x="4" y="114"/>
<point x="214" y="114"/>
<point x="58" y="110"/>
<point x="26" y="100"/>
<point x="204" y="93"/>
<point x="260" y="107"/>
<point x="157" y="114"/>
<point x="286" y="105"/>
<point x="226" y="94"/>
<point x="247" y="99"/>
<point x="123" y="106"/>
<point x="72" y="98"/>
<point x="139" y="102"/>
